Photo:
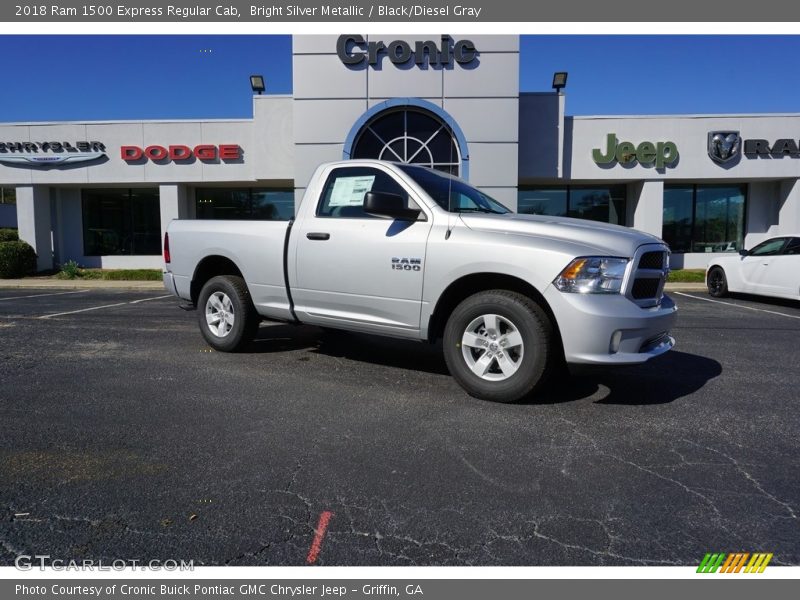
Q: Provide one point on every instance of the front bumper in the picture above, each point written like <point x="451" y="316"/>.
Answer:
<point x="610" y="329"/>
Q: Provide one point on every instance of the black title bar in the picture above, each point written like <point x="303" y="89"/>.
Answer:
<point x="479" y="11"/>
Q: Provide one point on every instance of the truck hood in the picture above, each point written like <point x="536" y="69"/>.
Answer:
<point x="611" y="240"/>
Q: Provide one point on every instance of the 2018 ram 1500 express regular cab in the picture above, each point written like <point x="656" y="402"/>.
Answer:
<point x="405" y="251"/>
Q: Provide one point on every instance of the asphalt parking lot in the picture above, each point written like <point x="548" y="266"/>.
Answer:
<point x="123" y="436"/>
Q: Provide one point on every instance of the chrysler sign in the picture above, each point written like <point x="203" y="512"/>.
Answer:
<point x="39" y="154"/>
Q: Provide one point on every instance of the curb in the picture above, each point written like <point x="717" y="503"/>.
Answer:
<point x="76" y="284"/>
<point x="685" y="287"/>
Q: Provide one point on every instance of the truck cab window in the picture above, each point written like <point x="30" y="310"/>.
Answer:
<point x="343" y="193"/>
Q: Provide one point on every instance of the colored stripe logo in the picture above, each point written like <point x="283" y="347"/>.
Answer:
<point x="734" y="562"/>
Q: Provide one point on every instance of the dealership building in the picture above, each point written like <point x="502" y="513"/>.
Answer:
<point x="102" y="193"/>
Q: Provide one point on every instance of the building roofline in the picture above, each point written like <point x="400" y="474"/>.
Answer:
<point x="686" y="116"/>
<point x="147" y="121"/>
<point x="122" y="122"/>
<point x="270" y="96"/>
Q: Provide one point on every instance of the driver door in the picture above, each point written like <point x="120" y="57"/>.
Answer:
<point x="357" y="270"/>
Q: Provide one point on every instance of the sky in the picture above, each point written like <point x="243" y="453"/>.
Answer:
<point x="56" y="78"/>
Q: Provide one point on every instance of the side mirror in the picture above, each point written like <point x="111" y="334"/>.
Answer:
<point x="744" y="252"/>
<point x="392" y="206"/>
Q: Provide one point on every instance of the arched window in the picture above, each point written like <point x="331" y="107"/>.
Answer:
<point x="412" y="135"/>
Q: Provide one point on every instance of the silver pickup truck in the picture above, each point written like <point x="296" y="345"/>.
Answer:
<point x="405" y="251"/>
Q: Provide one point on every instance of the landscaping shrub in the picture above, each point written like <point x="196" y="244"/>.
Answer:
<point x="69" y="270"/>
<point x="8" y="235"/>
<point x="17" y="259"/>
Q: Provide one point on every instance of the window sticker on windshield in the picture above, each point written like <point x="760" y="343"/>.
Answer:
<point x="349" y="191"/>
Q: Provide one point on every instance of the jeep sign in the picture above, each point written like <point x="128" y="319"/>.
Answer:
<point x="660" y="154"/>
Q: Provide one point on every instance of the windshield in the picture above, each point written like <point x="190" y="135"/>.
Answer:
<point x="452" y="194"/>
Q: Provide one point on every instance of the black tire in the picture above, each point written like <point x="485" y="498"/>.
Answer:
<point x="717" y="283"/>
<point x="244" y="316"/>
<point x="532" y="359"/>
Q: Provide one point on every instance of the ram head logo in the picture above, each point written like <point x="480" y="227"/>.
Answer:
<point x="723" y="146"/>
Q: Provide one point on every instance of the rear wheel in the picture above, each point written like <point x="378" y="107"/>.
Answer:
<point x="717" y="282"/>
<point x="498" y="345"/>
<point x="228" y="320"/>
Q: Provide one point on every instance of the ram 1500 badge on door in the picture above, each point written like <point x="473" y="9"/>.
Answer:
<point x="405" y="251"/>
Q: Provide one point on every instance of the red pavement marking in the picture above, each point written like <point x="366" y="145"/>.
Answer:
<point x="319" y="534"/>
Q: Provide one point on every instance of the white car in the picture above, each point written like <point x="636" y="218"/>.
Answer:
<point x="772" y="268"/>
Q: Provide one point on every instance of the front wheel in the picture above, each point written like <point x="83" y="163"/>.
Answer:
<point x="498" y="345"/>
<point x="717" y="282"/>
<point x="228" y="320"/>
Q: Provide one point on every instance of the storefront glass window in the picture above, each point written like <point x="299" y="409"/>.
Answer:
<point x="264" y="204"/>
<point x="8" y="196"/>
<point x="598" y="204"/>
<point x="605" y="204"/>
<point x="718" y="219"/>
<point x="543" y="201"/>
<point x="121" y="222"/>
<point x="678" y="211"/>
<point x="275" y="205"/>
<point x="223" y="204"/>
<point x="704" y="218"/>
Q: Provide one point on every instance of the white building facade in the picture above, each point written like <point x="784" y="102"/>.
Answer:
<point x="102" y="193"/>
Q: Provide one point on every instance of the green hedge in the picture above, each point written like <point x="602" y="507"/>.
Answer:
<point x="134" y="275"/>
<point x="17" y="259"/>
<point x="687" y="276"/>
<point x="71" y="270"/>
<point x="8" y="235"/>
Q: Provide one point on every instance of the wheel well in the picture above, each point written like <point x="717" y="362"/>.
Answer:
<point x="480" y="282"/>
<point x="209" y="267"/>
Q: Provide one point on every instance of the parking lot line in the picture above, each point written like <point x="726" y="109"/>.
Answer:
<point x="40" y="295"/>
<point x="772" y="312"/>
<point x="148" y="299"/>
<point x="72" y="312"/>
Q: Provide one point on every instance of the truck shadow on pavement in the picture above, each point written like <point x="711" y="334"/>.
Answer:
<point x="659" y="381"/>
<point x="373" y="349"/>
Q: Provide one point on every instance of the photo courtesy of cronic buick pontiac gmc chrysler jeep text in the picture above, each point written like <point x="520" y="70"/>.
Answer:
<point x="405" y="251"/>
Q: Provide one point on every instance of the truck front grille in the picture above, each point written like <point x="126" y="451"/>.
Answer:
<point x="645" y="288"/>
<point x="652" y="260"/>
<point x="646" y="282"/>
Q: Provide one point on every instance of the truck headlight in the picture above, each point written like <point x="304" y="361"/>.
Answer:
<point x="592" y="275"/>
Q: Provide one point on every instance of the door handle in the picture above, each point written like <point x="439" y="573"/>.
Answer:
<point x="315" y="235"/>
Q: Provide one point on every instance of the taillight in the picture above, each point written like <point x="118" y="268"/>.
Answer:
<point x="166" y="248"/>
